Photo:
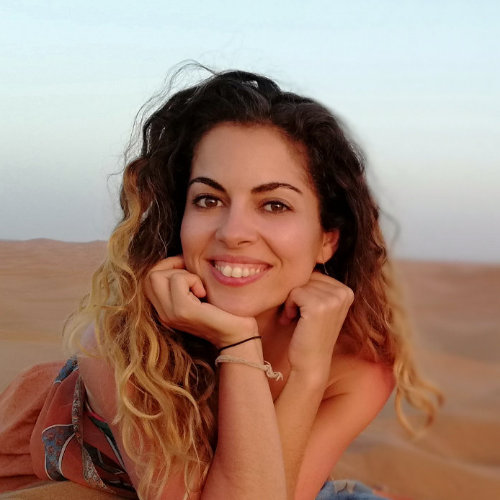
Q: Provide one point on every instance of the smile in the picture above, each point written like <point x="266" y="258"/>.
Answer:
<point x="237" y="270"/>
<point x="237" y="273"/>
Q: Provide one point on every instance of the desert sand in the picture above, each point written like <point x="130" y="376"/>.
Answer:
<point x="455" y="308"/>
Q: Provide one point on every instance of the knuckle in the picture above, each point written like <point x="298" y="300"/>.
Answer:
<point x="155" y="275"/>
<point x="336" y="300"/>
<point x="159" y="266"/>
<point x="324" y="306"/>
<point x="344" y="293"/>
<point x="349" y="294"/>
<point x="176" y="278"/>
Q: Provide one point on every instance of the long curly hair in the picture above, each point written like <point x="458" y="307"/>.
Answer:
<point x="166" y="380"/>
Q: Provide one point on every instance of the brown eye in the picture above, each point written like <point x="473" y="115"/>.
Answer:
<point x="276" y="207"/>
<point x="207" y="202"/>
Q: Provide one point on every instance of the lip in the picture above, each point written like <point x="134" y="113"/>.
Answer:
<point x="235" y="282"/>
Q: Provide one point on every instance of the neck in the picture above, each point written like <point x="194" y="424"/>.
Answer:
<point x="275" y="336"/>
<point x="268" y="321"/>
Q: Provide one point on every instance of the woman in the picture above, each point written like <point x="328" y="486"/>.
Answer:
<point x="243" y="332"/>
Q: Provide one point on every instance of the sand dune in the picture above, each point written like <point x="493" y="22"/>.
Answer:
<point x="455" y="308"/>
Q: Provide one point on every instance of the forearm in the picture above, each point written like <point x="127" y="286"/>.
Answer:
<point x="248" y="462"/>
<point x="296" y="409"/>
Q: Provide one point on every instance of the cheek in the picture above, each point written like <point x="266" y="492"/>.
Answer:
<point x="189" y="237"/>
<point x="196" y="233"/>
<point x="298" y="245"/>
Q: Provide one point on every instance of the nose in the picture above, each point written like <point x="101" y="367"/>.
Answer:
<point x="236" y="227"/>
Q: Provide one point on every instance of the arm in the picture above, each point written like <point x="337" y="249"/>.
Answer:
<point x="296" y="410"/>
<point x="248" y="461"/>
<point x="347" y="407"/>
<point x="318" y="419"/>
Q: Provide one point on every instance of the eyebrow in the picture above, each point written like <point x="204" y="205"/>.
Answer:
<point x="262" y="188"/>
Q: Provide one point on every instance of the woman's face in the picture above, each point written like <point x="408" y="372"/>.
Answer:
<point x="251" y="228"/>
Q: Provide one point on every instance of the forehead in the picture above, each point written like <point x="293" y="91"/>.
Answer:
<point x="257" y="153"/>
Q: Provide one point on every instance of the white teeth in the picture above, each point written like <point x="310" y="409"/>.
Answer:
<point x="236" y="272"/>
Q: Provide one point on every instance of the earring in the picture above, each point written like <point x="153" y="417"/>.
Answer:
<point x="325" y="270"/>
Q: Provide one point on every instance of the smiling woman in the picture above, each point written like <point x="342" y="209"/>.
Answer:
<point x="251" y="228"/>
<point x="241" y="331"/>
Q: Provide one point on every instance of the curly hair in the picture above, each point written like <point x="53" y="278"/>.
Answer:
<point x="166" y="380"/>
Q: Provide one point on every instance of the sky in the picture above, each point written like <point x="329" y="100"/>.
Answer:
<point x="416" y="82"/>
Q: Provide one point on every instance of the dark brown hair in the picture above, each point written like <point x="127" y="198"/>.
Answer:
<point x="170" y="373"/>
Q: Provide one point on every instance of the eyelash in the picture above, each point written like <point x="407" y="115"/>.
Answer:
<point x="198" y="200"/>
<point x="284" y="206"/>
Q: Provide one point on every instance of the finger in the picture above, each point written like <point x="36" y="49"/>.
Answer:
<point x="175" y="262"/>
<point x="299" y="297"/>
<point x="197" y="288"/>
<point x="157" y="288"/>
<point x="185" y="284"/>
<point x="291" y="309"/>
<point x="158" y="302"/>
<point x="193" y="316"/>
<point x="283" y="319"/>
<point x="320" y="277"/>
<point x="156" y="279"/>
<point x="330" y="286"/>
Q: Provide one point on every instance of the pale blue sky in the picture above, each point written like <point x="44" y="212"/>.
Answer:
<point x="418" y="83"/>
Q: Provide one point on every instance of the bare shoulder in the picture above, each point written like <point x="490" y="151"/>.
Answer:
<point x="353" y="375"/>
<point x="98" y="377"/>
<point x="357" y="391"/>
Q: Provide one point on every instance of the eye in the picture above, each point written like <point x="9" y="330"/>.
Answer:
<point x="207" y="201"/>
<point x="276" y="206"/>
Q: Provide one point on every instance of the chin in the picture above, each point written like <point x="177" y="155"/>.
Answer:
<point x="241" y="308"/>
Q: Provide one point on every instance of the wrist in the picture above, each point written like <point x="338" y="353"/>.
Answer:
<point x="311" y="381"/>
<point x="248" y="349"/>
<point x="239" y="342"/>
<point x="239" y="332"/>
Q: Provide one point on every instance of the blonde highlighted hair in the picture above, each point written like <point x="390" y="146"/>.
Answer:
<point x="166" y="381"/>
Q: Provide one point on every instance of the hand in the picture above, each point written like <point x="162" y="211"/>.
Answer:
<point x="319" y="308"/>
<point x="175" y="294"/>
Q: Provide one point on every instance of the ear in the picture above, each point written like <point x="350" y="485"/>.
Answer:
<point x="329" y="246"/>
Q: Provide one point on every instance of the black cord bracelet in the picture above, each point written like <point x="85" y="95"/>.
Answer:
<point x="240" y="342"/>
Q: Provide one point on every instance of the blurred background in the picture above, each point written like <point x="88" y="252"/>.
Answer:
<point x="417" y="83"/>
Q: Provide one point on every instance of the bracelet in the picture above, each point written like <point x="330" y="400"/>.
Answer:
<point x="265" y="367"/>
<point x="238" y="343"/>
